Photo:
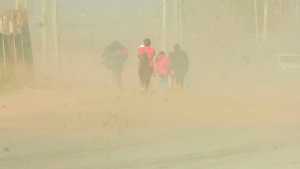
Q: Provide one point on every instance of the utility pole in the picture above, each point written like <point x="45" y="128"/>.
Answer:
<point x="171" y="13"/>
<point x="255" y="7"/>
<point x="281" y="8"/>
<point x="266" y="19"/>
<point x="164" y="24"/>
<point x="180" y="21"/>
<point x="49" y="33"/>
<point x="55" y="33"/>
<point x="297" y="7"/>
<point x="44" y="25"/>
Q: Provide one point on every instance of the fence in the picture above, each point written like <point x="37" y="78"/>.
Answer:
<point x="16" y="58"/>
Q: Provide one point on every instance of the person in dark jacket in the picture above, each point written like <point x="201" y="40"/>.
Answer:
<point x="179" y="65"/>
<point x="114" y="58"/>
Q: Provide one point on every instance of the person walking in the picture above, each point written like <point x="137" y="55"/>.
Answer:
<point x="114" y="58"/>
<point x="179" y="64"/>
<point x="163" y="69"/>
<point x="146" y="56"/>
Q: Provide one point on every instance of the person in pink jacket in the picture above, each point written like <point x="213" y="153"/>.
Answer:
<point x="163" y="68"/>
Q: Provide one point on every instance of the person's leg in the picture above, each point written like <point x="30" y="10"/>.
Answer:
<point x="144" y="76"/>
<point x="148" y="77"/>
<point x="118" y="78"/>
<point x="164" y="82"/>
<point x="173" y="81"/>
<point x="176" y="80"/>
<point x="147" y="80"/>
<point x="181" y="80"/>
<point x="141" y="76"/>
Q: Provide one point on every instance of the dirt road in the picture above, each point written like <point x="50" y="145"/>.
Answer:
<point x="90" y="129"/>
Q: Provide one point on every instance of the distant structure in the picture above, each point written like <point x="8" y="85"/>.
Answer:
<point x="172" y="22"/>
<point x="16" y="59"/>
<point x="21" y="4"/>
<point x="50" y="54"/>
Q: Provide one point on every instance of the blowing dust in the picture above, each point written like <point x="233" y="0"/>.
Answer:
<point x="242" y="82"/>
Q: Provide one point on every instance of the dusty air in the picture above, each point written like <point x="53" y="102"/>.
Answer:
<point x="151" y="84"/>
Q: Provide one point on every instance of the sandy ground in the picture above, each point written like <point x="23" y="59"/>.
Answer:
<point x="76" y="128"/>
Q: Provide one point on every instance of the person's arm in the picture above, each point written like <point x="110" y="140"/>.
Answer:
<point x="140" y="53"/>
<point x="171" y="56"/>
<point x="169" y="65"/>
<point x="153" y="58"/>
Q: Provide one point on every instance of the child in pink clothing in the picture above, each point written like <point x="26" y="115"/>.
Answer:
<point x="163" y="68"/>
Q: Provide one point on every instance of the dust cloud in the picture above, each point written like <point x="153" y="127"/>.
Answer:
<point x="239" y="108"/>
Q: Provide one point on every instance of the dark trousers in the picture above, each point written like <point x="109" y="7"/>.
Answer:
<point x="180" y="78"/>
<point x="117" y="76"/>
<point x="145" y="75"/>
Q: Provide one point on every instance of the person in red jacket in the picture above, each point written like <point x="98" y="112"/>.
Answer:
<point x="146" y="58"/>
